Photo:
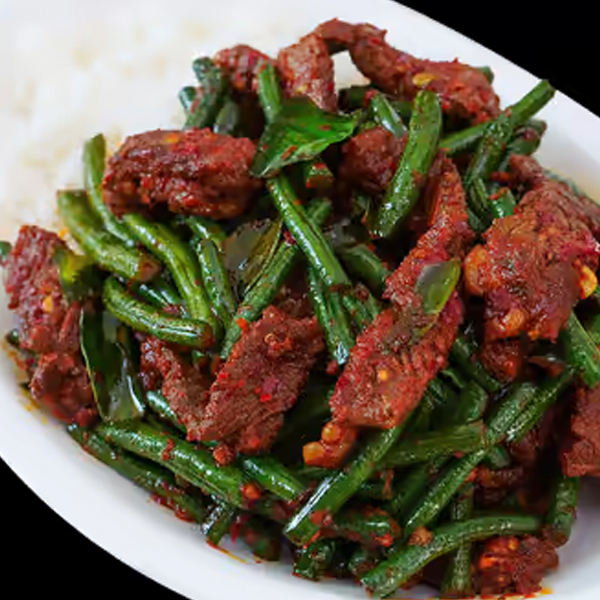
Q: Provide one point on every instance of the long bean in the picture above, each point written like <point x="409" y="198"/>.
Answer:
<point x="307" y="236"/>
<point x="405" y="562"/>
<point x="159" y="292"/>
<point x="267" y="471"/>
<point x="363" y="263"/>
<point x="562" y="512"/>
<point x="101" y="246"/>
<point x="192" y="463"/>
<point x="313" y="560"/>
<point x="440" y="494"/>
<point x="215" y="279"/>
<point x="457" y="581"/>
<point x="426" y="447"/>
<point x="581" y="352"/>
<point x="94" y="157"/>
<point x="181" y="262"/>
<point x="227" y="121"/>
<point x="383" y="113"/>
<point x="209" y="97"/>
<point x="463" y="352"/>
<point x="205" y="229"/>
<point x="219" y="521"/>
<point x="143" y="317"/>
<point x="336" y="329"/>
<point x="273" y="277"/>
<point x="147" y="475"/>
<point x="186" y="96"/>
<point x="403" y="191"/>
<point x="336" y="490"/>
<point x="413" y="486"/>
<point x="546" y="395"/>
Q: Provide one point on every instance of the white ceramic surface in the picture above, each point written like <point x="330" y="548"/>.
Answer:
<point x="123" y="522"/>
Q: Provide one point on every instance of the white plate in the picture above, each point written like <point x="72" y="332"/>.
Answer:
<point x="130" y="60"/>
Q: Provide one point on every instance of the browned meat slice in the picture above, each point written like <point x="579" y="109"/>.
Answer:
<point x="463" y="90"/>
<point x="48" y="326"/>
<point x="261" y="380"/>
<point x="370" y="160"/>
<point x="514" y="565"/>
<point x="448" y="236"/>
<point x="527" y="171"/>
<point x="338" y="35"/>
<point x="307" y="70"/>
<point x="183" y="385"/>
<point x="194" y="172"/>
<point x="535" y="265"/>
<point x="391" y="363"/>
<point x="243" y="64"/>
<point x="386" y="374"/>
<point x="504" y="359"/>
<point x="580" y="454"/>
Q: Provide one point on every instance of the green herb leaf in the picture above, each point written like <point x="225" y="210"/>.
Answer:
<point x="261" y="253"/>
<point x="5" y="249"/>
<point x="79" y="277"/>
<point x="300" y="131"/>
<point x="107" y="350"/>
<point x="435" y="284"/>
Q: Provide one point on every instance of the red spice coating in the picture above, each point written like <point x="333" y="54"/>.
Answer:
<point x="183" y="385"/>
<point x="448" y="235"/>
<point x="48" y="326"/>
<point x="580" y="454"/>
<point x="527" y="171"/>
<point x="514" y="565"/>
<point x="463" y="90"/>
<point x="529" y="269"/>
<point x="389" y="369"/>
<point x="194" y="172"/>
<point x="306" y="69"/>
<point x="370" y="160"/>
<point x="262" y="378"/>
<point x="384" y="379"/>
<point x="242" y="64"/>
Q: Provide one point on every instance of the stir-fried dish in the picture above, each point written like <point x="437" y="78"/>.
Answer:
<point x="362" y="323"/>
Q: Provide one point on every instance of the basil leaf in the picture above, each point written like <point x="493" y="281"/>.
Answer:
<point x="299" y="132"/>
<point x="78" y="275"/>
<point x="261" y="253"/>
<point x="5" y="250"/>
<point x="107" y="349"/>
<point x="436" y="283"/>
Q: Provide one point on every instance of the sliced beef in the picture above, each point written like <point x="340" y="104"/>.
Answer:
<point x="580" y="454"/>
<point x="534" y="265"/>
<point x="164" y="368"/>
<point x="370" y="159"/>
<point x="526" y="171"/>
<point x="448" y="236"/>
<point x="387" y="374"/>
<point x="306" y="69"/>
<point x="509" y="565"/>
<point x="242" y="64"/>
<point x="396" y="357"/>
<point x="192" y="172"/>
<point x="48" y="326"/>
<point x="262" y="378"/>
<point x="463" y="90"/>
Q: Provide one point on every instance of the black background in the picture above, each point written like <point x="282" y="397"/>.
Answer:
<point x="42" y="554"/>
